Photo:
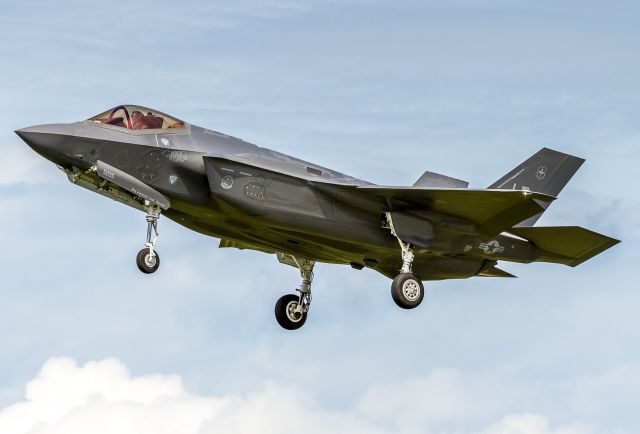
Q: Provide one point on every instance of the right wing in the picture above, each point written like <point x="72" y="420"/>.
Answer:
<point x="495" y="272"/>
<point x="432" y="179"/>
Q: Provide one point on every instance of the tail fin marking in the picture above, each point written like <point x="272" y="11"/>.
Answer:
<point x="547" y="171"/>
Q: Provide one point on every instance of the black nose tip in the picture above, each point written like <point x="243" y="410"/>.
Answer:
<point x="30" y="138"/>
<point x="46" y="140"/>
<point x="20" y="134"/>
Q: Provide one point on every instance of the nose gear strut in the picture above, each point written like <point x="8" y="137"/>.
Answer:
<point x="148" y="259"/>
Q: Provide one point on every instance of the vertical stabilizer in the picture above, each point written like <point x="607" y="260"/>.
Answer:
<point x="547" y="171"/>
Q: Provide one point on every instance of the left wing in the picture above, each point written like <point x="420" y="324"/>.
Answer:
<point x="301" y="191"/>
<point x="493" y="211"/>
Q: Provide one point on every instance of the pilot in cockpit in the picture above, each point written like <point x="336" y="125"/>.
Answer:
<point x="140" y="121"/>
<point x="134" y="118"/>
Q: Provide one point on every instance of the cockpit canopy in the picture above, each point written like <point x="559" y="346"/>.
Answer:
<point x="137" y="118"/>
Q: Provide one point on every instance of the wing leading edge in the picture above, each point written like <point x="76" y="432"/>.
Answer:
<point x="493" y="211"/>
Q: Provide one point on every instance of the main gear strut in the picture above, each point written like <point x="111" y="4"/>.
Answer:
<point x="291" y="310"/>
<point x="407" y="289"/>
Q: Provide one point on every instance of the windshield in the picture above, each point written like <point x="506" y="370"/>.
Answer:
<point x="137" y="118"/>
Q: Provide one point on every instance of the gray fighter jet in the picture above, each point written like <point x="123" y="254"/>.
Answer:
<point x="255" y="198"/>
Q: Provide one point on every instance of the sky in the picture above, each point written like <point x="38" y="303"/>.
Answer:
<point x="382" y="91"/>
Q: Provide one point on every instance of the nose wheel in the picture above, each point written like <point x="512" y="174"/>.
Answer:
<point x="148" y="259"/>
<point x="291" y="309"/>
<point x="147" y="263"/>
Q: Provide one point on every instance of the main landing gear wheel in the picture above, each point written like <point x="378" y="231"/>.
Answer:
<point x="407" y="290"/>
<point x="288" y="314"/>
<point x="291" y="310"/>
<point x="147" y="263"/>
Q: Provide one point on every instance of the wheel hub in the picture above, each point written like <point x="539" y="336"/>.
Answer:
<point x="411" y="290"/>
<point x="150" y="260"/>
<point x="292" y="312"/>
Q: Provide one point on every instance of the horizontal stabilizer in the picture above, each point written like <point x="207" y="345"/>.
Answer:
<point x="431" y="179"/>
<point x="495" y="272"/>
<point x="492" y="211"/>
<point x="569" y="245"/>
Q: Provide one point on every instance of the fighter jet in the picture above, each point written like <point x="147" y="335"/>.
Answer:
<point x="255" y="198"/>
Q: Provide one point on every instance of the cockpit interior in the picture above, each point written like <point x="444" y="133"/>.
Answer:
<point x="137" y="118"/>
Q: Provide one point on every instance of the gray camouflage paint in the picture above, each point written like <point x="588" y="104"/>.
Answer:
<point x="255" y="198"/>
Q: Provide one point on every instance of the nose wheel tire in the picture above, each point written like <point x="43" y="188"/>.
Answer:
<point x="407" y="290"/>
<point x="146" y="262"/>
<point x="286" y="314"/>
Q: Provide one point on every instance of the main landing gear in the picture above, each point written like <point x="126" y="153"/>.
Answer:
<point x="148" y="259"/>
<point x="406" y="289"/>
<point x="291" y="310"/>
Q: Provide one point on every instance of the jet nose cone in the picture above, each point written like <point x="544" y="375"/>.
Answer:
<point x="29" y="137"/>
<point x="47" y="140"/>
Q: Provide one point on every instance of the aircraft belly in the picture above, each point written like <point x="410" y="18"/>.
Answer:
<point x="349" y="244"/>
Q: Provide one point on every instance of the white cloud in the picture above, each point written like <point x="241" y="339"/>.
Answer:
<point x="102" y="397"/>
<point x="533" y="424"/>
<point x="440" y="397"/>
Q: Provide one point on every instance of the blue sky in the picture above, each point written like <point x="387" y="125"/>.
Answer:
<point x="379" y="90"/>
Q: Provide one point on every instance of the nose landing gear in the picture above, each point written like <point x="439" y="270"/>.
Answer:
<point x="148" y="260"/>
<point x="291" y="309"/>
